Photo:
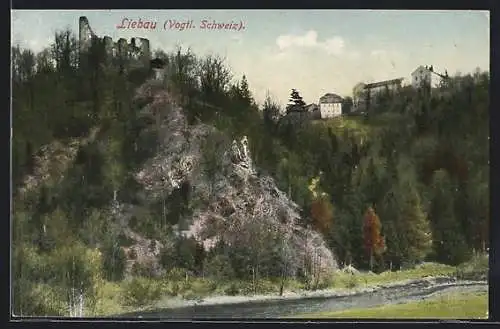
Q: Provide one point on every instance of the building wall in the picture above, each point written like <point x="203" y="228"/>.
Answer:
<point x="435" y="80"/>
<point x="359" y="97"/>
<point x="424" y="76"/>
<point x="159" y="73"/>
<point x="376" y="90"/>
<point x="393" y="87"/>
<point x="420" y="76"/>
<point x="330" y="110"/>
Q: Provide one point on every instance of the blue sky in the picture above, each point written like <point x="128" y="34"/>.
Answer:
<point x="314" y="51"/>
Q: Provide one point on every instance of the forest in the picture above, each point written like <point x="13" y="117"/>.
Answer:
<point x="406" y="183"/>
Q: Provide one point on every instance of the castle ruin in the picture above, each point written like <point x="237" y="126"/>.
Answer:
<point x="137" y="51"/>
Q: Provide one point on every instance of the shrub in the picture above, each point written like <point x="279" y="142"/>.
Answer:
<point x="212" y="285"/>
<point x="77" y="264"/>
<point x="44" y="300"/>
<point x="175" y="289"/>
<point x="267" y="287"/>
<point x="246" y="287"/>
<point x="325" y="281"/>
<point x="176" y="274"/>
<point x="196" y="289"/>
<point x="218" y="267"/>
<point x="232" y="289"/>
<point x="145" y="269"/>
<point x="31" y="299"/>
<point x="114" y="262"/>
<point x="350" y="281"/>
<point x="142" y="291"/>
<point x="72" y="267"/>
<point x="110" y="299"/>
<point x="124" y="240"/>
<point x="475" y="269"/>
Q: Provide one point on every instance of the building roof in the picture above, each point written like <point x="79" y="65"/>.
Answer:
<point x="420" y="68"/>
<point x="384" y="83"/>
<point x="311" y="107"/>
<point x="439" y="75"/>
<point x="157" y="63"/>
<point x="330" y="98"/>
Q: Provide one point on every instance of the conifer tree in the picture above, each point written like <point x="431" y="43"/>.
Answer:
<point x="295" y="103"/>
<point x="415" y="228"/>
<point x="244" y="91"/>
<point x="449" y="243"/>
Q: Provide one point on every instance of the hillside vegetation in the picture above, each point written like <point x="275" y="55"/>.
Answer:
<point x="405" y="184"/>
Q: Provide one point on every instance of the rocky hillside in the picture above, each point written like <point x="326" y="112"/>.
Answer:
<point x="231" y="202"/>
<point x="234" y="203"/>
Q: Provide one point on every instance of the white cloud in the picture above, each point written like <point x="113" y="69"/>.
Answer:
<point x="332" y="46"/>
<point x="35" y="45"/>
<point x="237" y="38"/>
<point x="378" y="52"/>
<point x="307" y="40"/>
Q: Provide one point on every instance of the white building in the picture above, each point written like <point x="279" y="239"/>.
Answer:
<point x="158" y="67"/>
<point x="425" y="75"/>
<point x="365" y="95"/>
<point x="330" y="106"/>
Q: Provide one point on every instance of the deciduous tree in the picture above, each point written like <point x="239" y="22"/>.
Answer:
<point x="374" y="241"/>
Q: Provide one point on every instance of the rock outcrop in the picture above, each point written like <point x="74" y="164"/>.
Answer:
<point x="235" y="204"/>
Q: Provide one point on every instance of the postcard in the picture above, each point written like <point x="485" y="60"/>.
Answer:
<point x="242" y="164"/>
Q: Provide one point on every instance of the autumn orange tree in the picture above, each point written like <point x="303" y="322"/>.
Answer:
<point x="373" y="240"/>
<point x="322" y="214"/>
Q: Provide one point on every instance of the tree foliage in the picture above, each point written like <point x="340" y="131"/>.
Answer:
<point x="373" y="239"/>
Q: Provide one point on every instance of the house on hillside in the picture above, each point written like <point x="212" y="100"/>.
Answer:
<point x="313" y="110"/>
<point x="330" y="106"/>
<point x="312" y="107"/>
<point x="158" y="67"/>
<point x="426" y="76"/>
<point x="365" y="95"/>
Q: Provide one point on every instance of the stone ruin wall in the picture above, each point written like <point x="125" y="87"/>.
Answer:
<point x="137" y="50"/>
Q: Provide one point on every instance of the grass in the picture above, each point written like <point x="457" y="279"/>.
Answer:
<point x="355" y="125"/>
<point x="450" y="306"/>
<point x="345" y="280"/>
<point x="359" y="126"/>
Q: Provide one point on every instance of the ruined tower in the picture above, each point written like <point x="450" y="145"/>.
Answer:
<point x="85" y="34"/>
<point x="122" y="47"/>
<point x="139" y="51"/>
<point x="109" y="46"/>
